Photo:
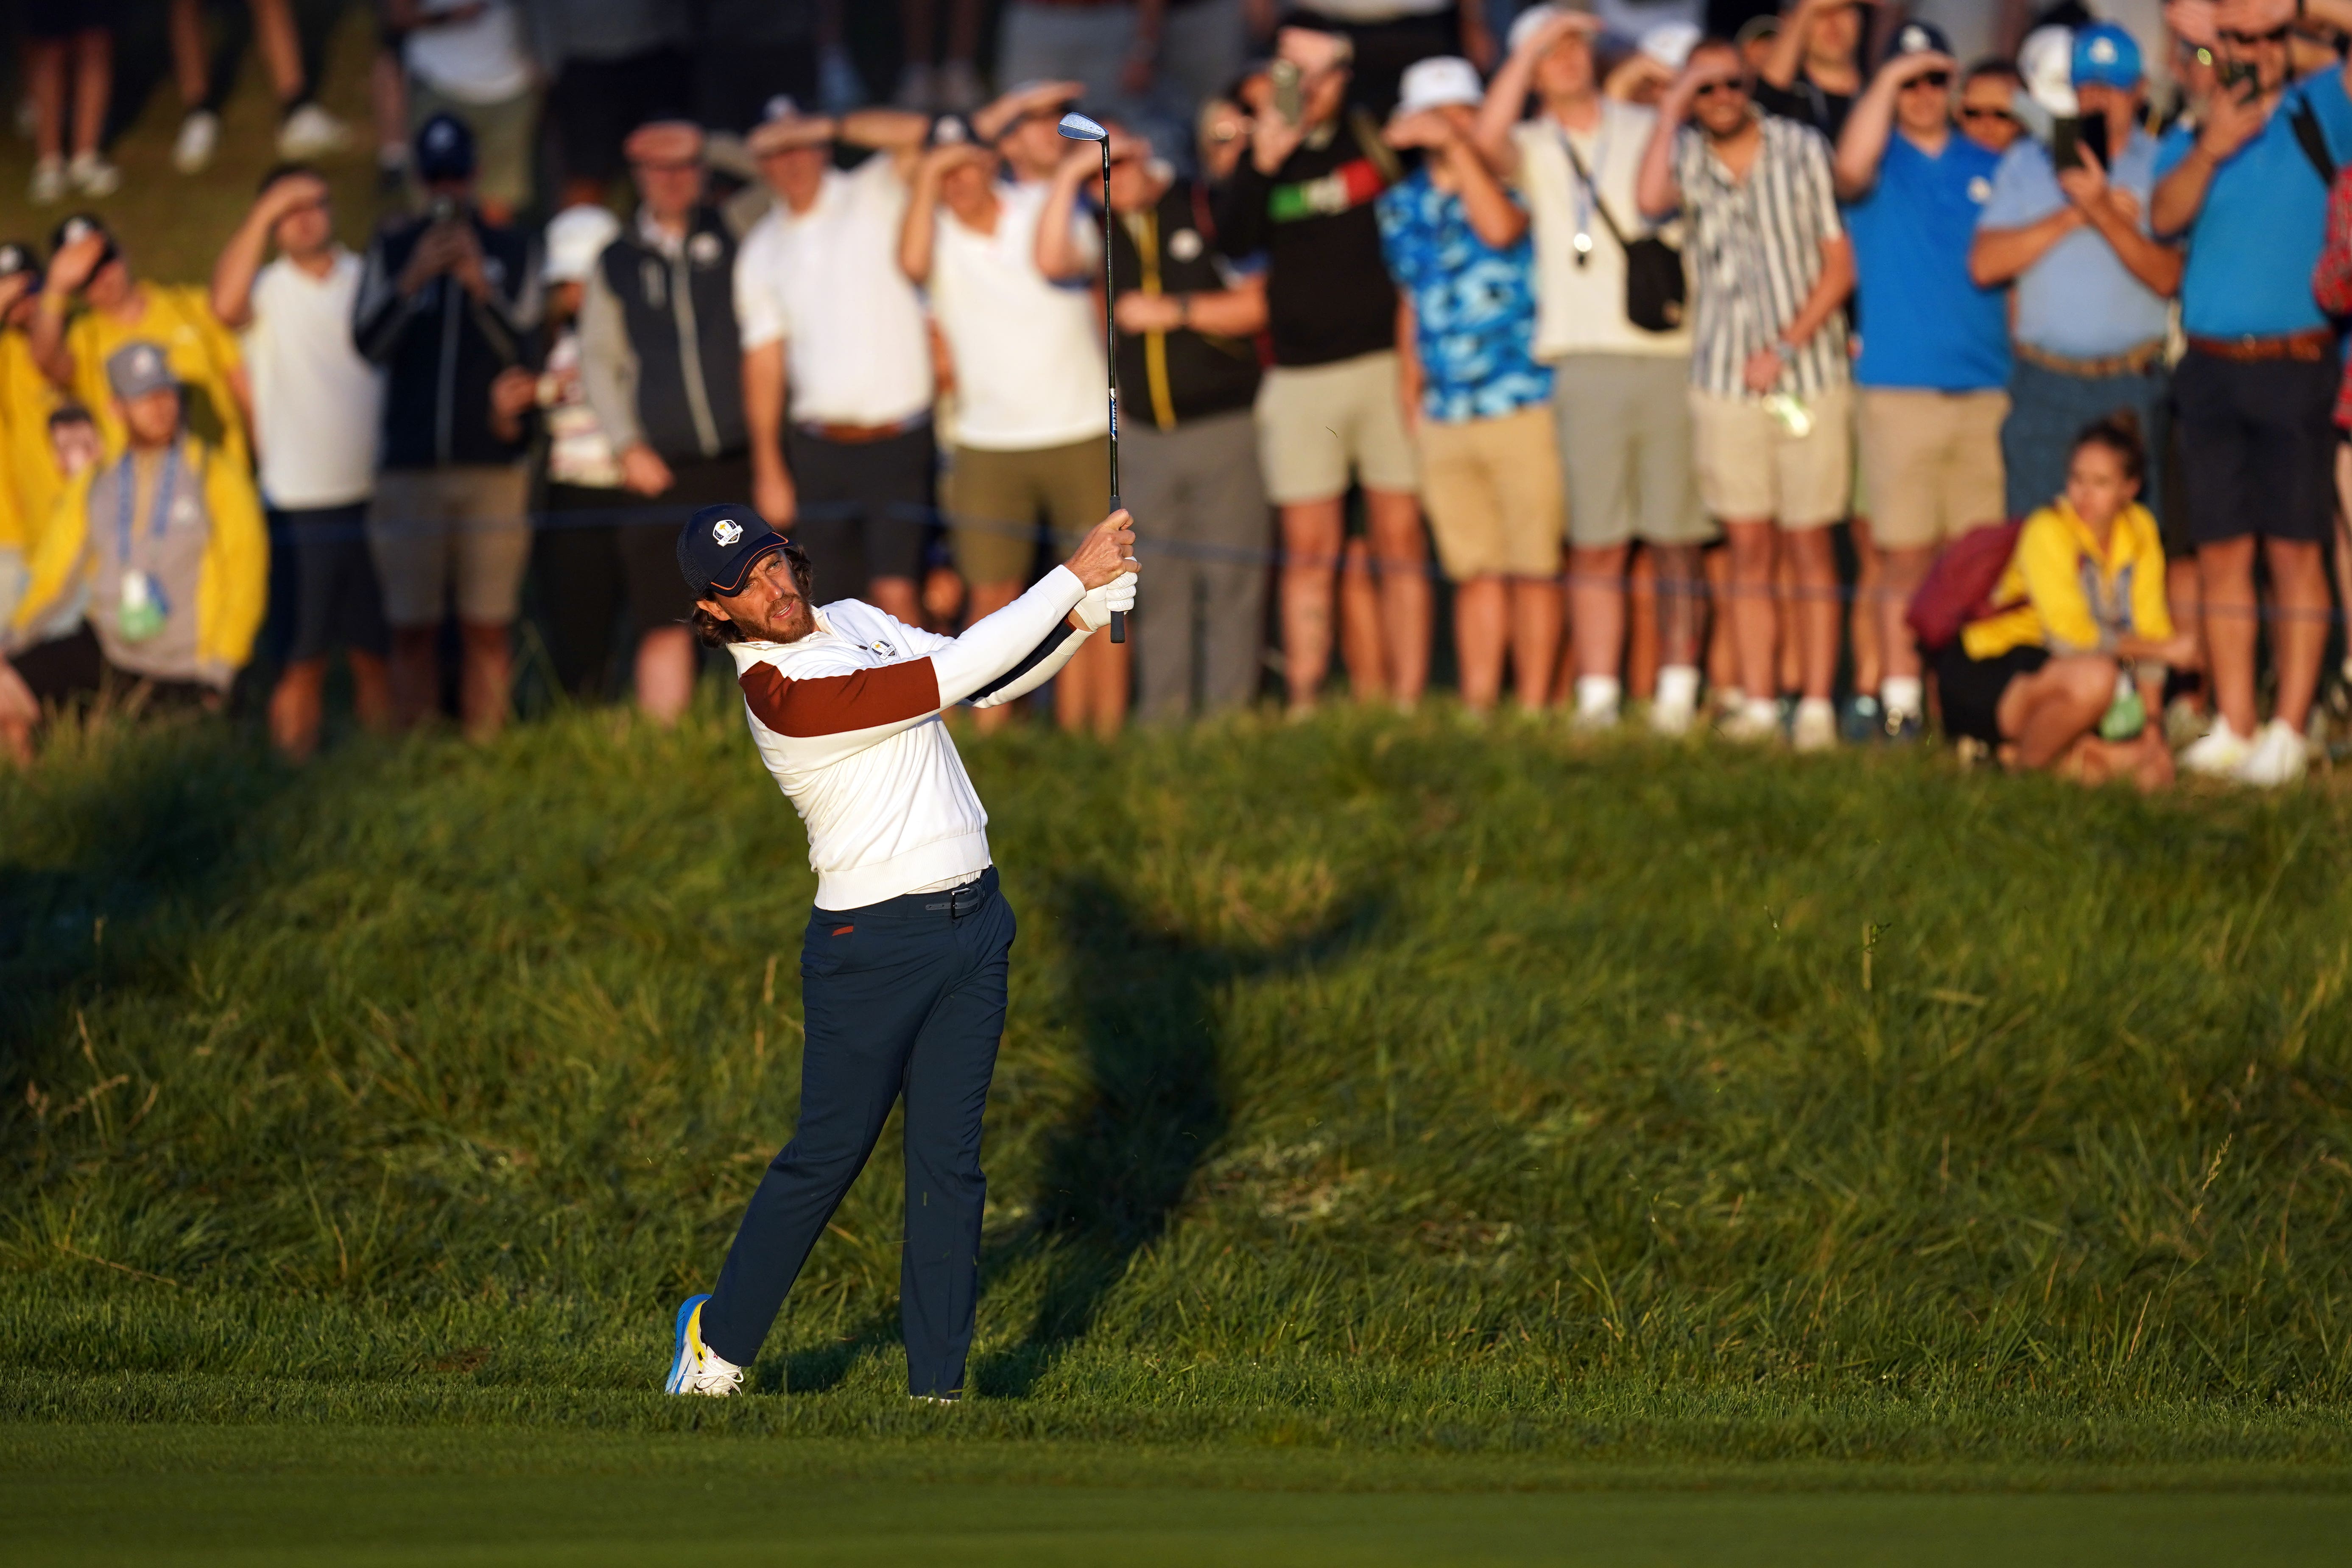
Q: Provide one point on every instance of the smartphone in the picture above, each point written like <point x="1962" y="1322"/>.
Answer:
<point x="2092" y="137"/>
<point x="442" y="209"/>
<point x="1288" y="100"/>
<point x="2066" y="141"/>
<point x="2236" y="74"/>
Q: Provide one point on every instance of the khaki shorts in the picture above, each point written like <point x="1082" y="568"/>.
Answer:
<point x="1750" y="469"/>
<point x="427" y="527"/>
<point x="1626" y="447"/>
<point x="1318" y="424"/>
<point x="1492" y="490"/>
<point x="1932" y="460"/>
<point x="502" y="139"/>
<point x="995" y="499"/>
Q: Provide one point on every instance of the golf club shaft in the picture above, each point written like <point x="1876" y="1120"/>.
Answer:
<point x="1111" y="357"/>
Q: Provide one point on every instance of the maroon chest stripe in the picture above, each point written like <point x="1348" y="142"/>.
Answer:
<point x="835" y="704"/>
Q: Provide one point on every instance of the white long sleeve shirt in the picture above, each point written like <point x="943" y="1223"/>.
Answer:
<point x="847" y="721"/>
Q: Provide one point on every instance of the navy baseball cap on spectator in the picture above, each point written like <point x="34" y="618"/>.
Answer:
<point x="1919" y="39"/>
<point x="2106" y="54"/>
<point x="444" y="150"/>
<point x="79" y="227"/>
<point x="16" y="257"/>
<point x="720" y="545"/>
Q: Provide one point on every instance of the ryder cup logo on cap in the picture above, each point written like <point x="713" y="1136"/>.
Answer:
<point x="720" y="545"/>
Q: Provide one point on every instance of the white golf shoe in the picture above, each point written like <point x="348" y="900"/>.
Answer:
<point x="695" y="1368"/>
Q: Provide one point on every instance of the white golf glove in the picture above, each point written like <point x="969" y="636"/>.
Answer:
<point x="1119" y="593"/>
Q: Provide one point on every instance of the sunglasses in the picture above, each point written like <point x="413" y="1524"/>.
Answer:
<point x="1930" y="79"/>
<point x="1735" y="89"/>
<point x="2276" y="35"/>
<point x="2000" y="114"/>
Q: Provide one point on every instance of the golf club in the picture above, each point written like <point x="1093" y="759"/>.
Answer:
<point x="1079" y="128"/>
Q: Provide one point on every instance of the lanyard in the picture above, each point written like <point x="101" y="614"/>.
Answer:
<point x="126" y="501"/>
<point x="1583" y="182"/>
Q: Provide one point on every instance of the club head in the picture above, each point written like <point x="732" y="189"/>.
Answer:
<point x="1079" y="128"/>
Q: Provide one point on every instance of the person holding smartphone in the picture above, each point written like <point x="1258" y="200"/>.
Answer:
<point x="2068" y="227"/>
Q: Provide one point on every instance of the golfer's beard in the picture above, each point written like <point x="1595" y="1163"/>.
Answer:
<point x="795" y="625"/>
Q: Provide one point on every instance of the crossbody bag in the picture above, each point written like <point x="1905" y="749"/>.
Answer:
<point x="1655" y="287"/>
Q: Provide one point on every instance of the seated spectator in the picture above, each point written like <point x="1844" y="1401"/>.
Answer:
<point x="2090" y="280"/>
<point x="1327" y="412"/>
<point x="448" y="300"/>
<point x="837" y="377"/>
<point x="2069" y="672"/>
<point x="1032" y="432"/>
<point x="1934" y="370"/>
<point x="1186" y="320"/>
<point x="1771" y="393"/>
<point x="660" y="355"/>
<point x="1457" y="246"/>
<point x="467" y="59"/>
<point x="582" y="578"/>
<point x="2247" y="188"/>
<point x="164" y="547"/>
<point x="72" y="346"/>
<point x="317" y="407"/>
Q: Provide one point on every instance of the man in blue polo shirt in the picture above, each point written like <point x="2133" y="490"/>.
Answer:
<point x="2091" y="281"/>
<point x="2249" y="188"/>
<point x="1934" y="345"/>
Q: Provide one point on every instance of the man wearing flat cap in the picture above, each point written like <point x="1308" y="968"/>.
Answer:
<point x="660" y="362"/>
<point x="164" y="546"/>
<point x="838" y="386"/>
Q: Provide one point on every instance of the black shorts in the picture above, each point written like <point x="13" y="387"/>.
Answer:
<point x="595" y="104"/>
<point x="2258" y="446"/>
<point x="865" y="507"/>
<point x="1972" y="687"/>
<point x="324" y="573"/>
<point x="72" y="668"/>
<point x="54" y="20"/>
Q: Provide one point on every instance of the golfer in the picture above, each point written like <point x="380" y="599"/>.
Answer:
<point x="904" y="963"/>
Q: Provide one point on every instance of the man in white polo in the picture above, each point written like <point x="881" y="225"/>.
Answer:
<point x="836" y="355"/>
<point x="904" y="963"/>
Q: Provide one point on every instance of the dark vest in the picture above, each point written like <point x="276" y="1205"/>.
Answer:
<point x="1166" y="378"/>
<point x="680" y="317"/>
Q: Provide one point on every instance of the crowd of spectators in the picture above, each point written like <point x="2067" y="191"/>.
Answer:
<point x="1825" y="377"/>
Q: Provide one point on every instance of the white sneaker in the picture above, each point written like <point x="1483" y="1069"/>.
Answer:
<point x="1597" y="697"/>
<point x="1756" y="723"/>
<point x="48" y="187"/>
<point x="312" y="132"/>
<point x="2220" y="755"/>
<point x="2278" y="757"/>
<point x="92" y="175"/>
<point x="199" y="138"/>
<point x="1816" y="726"/>
<point x="695" y="1368"/>
<point x="1672" y="718"/>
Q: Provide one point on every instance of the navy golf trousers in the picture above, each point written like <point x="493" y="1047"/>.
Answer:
<point x="906" y="997"/>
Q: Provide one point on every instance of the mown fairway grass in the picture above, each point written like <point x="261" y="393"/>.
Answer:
<point x="1386" y="1105"/>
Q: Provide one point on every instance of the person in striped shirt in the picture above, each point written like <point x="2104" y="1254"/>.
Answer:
<point x="1771" y="390"/>
<point x="904" y="963"/>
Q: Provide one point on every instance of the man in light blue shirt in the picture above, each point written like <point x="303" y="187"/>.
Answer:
<point x="1934" y="370"/>
<point x="2255" y="393"/>
<point x="2091" y="281"/>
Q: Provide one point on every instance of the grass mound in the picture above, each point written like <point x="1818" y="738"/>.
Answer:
<point x="1369" y="1082"/>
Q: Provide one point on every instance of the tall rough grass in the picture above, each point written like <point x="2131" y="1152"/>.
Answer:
<point x="1371" y="1061"/>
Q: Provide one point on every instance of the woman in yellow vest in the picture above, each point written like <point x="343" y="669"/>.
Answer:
<point x="2068" y="671"/>
<point x="163" y="548"/>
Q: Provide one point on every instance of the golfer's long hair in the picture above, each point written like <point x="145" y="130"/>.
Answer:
<point x="717" y="631"/>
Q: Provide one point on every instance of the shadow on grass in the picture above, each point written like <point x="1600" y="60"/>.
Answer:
<point x="1119" y="1168"/>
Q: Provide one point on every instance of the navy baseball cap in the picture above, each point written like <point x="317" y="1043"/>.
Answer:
<point x="1919" y="39"/>
<point x="720" y="545"/>
<point x="16" y="257"/>
<point x="444" y="150"/>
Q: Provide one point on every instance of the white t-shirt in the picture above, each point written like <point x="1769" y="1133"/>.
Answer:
<point x="827" y="282"/>
<point x="476" y="61"/>
<point x="317" y="404"/>
<point x="1581" y="309"/>
<point x="1028" y="353"/>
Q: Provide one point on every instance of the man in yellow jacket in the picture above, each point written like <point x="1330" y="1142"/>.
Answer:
<point x="164" y="546"/>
